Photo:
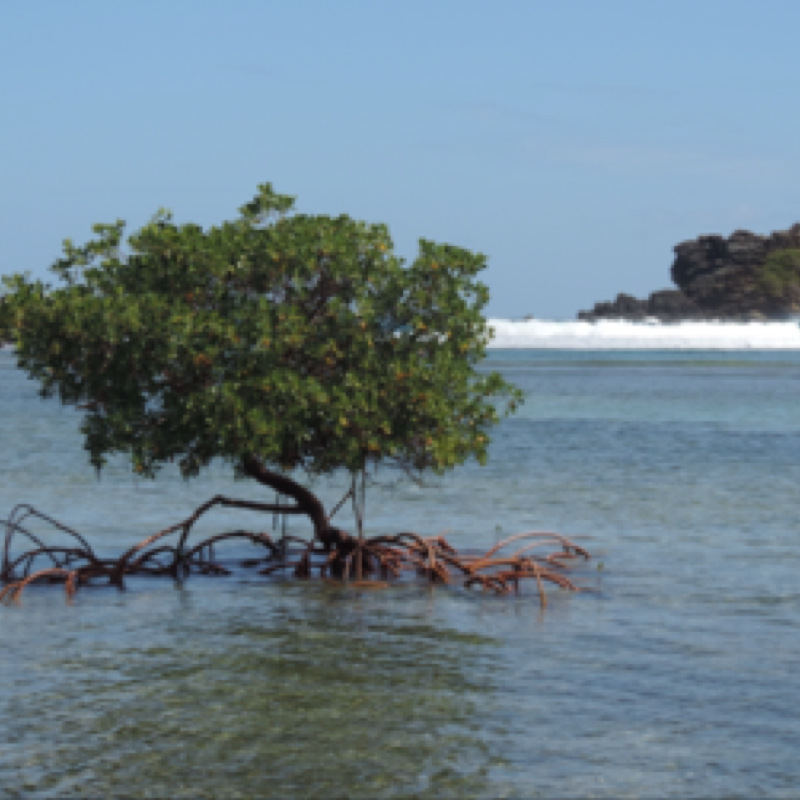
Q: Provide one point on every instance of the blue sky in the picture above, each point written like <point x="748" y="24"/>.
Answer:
<point x="574" y="143"/>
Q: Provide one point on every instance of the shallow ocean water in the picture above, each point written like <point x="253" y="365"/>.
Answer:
<point x="675" y="677"/>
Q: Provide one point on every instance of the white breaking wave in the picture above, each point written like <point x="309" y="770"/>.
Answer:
<point x="616" y="334"/>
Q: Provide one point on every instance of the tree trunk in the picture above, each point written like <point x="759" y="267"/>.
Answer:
<point x="307" y="502"/>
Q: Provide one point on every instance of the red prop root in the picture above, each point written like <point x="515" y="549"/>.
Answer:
<point x="501" y="570"/>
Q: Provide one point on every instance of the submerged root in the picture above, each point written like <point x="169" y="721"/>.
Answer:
<point x="380" y="559"/>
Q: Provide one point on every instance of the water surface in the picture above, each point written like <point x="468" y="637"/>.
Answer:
<point x="676" y="677"/>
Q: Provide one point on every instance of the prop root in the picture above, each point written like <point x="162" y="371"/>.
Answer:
<point x="501" y="570"/>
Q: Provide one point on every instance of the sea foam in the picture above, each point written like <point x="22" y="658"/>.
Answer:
<point x="647" y="335"/>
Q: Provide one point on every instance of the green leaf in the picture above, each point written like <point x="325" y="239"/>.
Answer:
<point x="301" y="339"/>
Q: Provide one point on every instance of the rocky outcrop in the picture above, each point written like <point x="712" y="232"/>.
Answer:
<point x="667" y="305"/>
<point x="743" y="277"/>
<point x="672" y="304"/>
<point x="735" y="276"/>
<point x="625" y="306"/>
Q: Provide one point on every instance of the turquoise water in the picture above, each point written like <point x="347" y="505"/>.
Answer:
<point x="676" y="677"/>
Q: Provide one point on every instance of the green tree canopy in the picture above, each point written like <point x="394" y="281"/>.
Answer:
<point x="277" y="341"/>
<point x="6" y="334"/>
<point x="780" y="271"/>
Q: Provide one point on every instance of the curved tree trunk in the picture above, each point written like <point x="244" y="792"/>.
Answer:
<point x="307" y="502"/>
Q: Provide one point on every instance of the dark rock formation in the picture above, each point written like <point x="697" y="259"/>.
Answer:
<point x="626" y="306"/>
<point x="727" y="277"/>
<point x="672" y="305"/>
<point x="667" y="305"/>
<point x="743" y="277"/>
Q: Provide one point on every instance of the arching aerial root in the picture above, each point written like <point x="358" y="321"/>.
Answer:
<point x="502" y="570"/>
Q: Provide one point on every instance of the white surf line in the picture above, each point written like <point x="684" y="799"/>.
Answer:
<point x="650" y="335"/>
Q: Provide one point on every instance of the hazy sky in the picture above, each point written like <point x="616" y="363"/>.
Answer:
<point x="574" y="143"/>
